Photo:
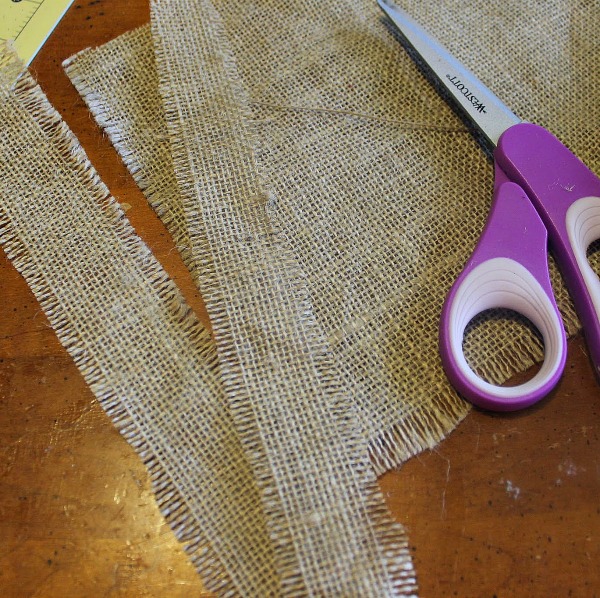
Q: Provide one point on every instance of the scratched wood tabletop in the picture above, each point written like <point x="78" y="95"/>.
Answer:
<point x="507" y="506"/>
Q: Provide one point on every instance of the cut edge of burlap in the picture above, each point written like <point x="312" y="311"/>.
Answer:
<point x="171" y="502"/>
<point x="95" y="104"/>
<point x="416" y="433"/>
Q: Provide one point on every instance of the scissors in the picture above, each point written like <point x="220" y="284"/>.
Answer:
<point x="542" y="192"/>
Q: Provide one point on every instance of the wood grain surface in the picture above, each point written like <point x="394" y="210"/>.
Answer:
<point x="507" y="506"/>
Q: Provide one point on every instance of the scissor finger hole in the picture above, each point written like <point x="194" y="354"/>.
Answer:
<point x="498" y="342"/>
<point x="494" y="284"/>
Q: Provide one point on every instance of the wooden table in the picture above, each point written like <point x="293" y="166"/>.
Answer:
<point x="507" y="506"/>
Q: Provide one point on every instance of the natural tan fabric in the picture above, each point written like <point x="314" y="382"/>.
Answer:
<point x="361" y="181"/>
<point x="146" y="357"/>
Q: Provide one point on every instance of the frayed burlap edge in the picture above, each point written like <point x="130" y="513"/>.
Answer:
<point x="168" y="209"/>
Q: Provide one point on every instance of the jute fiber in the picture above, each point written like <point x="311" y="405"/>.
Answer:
<point x="325" y="198"/>
<point x="148" y="360"/>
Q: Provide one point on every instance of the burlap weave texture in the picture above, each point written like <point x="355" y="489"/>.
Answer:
<point x="376" y="184"/>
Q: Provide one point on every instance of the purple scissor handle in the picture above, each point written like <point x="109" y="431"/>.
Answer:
<point x="541" y="190"/>
<point x="542" y="193"/>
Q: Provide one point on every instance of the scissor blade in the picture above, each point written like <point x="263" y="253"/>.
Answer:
<point x="490" y="115"/>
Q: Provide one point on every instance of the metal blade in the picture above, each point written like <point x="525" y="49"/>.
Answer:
<point x="480" y="104"/>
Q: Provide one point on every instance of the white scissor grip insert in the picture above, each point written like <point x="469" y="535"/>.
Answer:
<point x="504" y="283"/>
<point x="583" y="227"/>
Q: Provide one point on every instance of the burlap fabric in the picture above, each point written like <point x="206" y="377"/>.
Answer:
<point x="374" y="186"/>
<point x="148" y="360"/>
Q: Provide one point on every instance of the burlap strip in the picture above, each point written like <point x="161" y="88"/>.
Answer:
<point x="148" y="360"/>
<point x="328" y="522"/>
